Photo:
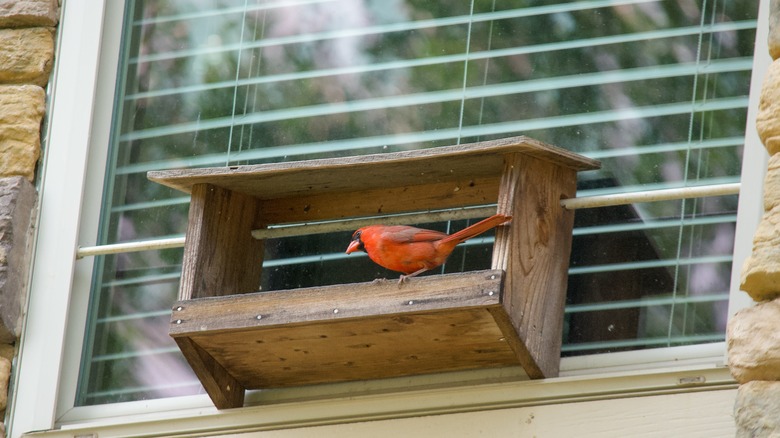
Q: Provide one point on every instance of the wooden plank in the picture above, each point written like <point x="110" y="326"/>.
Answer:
<point x="296" y="178"/>
<point x="301" y="178"/>
<point x="225" y="391"/>
<point x="349" y="332"/>
<point x="363" y="348"/>
<point x="534" y="253"/>
<point x="385" y="200"/>
<point x="317" y="304"/>
<point x="220" y="255"/>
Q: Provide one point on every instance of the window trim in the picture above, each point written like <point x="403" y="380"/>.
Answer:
<point x="46" y="370"/>
<point x="74" y="120"/>
<point x="750" y="208"/>
<point x="283" y="409"/>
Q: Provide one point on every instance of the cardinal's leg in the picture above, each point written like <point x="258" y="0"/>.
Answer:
<point x="404" y="277"/>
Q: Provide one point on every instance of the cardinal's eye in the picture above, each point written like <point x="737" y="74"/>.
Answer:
<point x="356" y="236"/>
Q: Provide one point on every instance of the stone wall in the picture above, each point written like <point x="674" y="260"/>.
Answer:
<point x="753" y="334"/>
<point x="26" y="57"/>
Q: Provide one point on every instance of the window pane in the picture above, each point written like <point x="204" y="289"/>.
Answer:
<point x="656" y="89"/>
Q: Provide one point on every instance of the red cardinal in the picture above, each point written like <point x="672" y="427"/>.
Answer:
<point x="414" y="250"/>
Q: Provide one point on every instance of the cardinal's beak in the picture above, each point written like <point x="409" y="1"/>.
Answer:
<point x="353" y="246"/>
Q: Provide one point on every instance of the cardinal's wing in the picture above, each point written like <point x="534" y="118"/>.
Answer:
<point x="406" y="234"/>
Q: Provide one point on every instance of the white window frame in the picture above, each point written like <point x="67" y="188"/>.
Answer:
<point x="46" y="369"/>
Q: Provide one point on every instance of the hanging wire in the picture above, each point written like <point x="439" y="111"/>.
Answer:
<point x="683" y="203"/>
<point x="487" y="66"/>
<point x="462" y="98"/>
<point x="235" y="87"/>
<point x="706" y="91"/>
<point x="481" y="104"/>
<point x="465" y="72"/>
<point x="254" y="66"/>
<point x="257" y="85"/>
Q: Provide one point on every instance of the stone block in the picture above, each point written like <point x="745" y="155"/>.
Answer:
<point x="772" y="183"/>
<point x="21" y="111"/>
<point x="768" y="117"/>
<point x="757" y="410"/>
<point x="7" y="351"/>
<point x="18" y="200"/>
<point x="774" y="29"/>
<point x="5" y="375"/>
<point x="753" y="343"/>
<point x="28" y="13"/>
<point x="26" y="56"/>
<point x="761" y="272"/>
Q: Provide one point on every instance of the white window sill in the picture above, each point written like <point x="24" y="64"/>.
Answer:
<point x="387" y="399"/>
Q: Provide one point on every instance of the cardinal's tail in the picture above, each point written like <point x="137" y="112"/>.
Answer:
<point x="476" y="229"/>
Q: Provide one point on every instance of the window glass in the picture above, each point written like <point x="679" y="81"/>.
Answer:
<point x="655" y="89"/>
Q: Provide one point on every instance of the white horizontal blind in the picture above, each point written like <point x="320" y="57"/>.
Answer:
<point x="656" y="89"/>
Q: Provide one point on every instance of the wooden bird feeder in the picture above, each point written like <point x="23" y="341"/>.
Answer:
<point x="237" y="339"/>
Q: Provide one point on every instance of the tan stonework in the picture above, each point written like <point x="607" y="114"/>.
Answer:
<point x="28" y="13"/>
<point x="26" y="55"/>
<point x="761" y="271"/>
<point x="7" y="351"/>
<point x="753" y="343"/>
<point x="752" y="335"/>
<point x="772" y="183"/>
<point x="17" y="206"/>
<point x="756" y="409"/>
<point x="774" y="29"/>
<point x="5" y="374"/>
<point x="21" y="111"/>
<point x="768" y="117"/>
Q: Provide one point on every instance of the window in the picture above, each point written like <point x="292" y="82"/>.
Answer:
<point x="657" y="90"/>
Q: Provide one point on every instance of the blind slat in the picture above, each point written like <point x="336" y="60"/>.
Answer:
<point x="456" y="58"/>
<point x="390" y="28"/>
<point x="478" y="92"/>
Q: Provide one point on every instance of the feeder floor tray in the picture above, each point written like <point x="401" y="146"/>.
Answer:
<point x="351" y="332"/>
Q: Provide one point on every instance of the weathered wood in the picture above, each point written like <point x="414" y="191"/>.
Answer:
<point x="378" y="346"/>
<point x="534" y="253"/>
<point x="507" y="316"/>
<point x="450" y="193"/>
<point x="225" y="391"/>
<point x="397" y="169"/>
<point x="345" y="332"/>
<point x="220" y="257"/>
<point x="357" y="300"/>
